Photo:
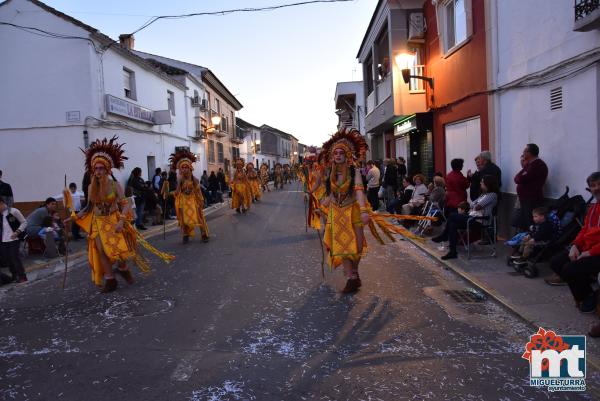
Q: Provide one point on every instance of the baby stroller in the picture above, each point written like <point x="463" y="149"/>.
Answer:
<point x="569" y="213"/>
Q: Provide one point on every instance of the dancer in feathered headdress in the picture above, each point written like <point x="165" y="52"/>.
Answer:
<point x="346" y="206"/>
<point x="189" y="201"/>
<point x="264" y="177"/>
<point x="107" y="216"/>
<point x="278" y="176"/>
<point x="254" y="182"/>
<point x="241" y="193"/>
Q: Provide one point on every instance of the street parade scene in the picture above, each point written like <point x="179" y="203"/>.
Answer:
<point x="431" y="234"/>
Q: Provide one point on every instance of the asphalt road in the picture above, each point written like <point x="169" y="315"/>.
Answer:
<point x="248" y="317"/>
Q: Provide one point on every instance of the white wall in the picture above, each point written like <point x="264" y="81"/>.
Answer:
<point x="568" y="138"/>
<point x="36" y="92"/>
<point x="43" y="78"/>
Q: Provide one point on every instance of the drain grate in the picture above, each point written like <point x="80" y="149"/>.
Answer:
<point x="466" y="296"/>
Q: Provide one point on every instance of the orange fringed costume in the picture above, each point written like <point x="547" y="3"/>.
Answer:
<point x="254" y="181"/>
<point x="240" y="188"/>
<point x="100" y="218"/>
<point x="189" y="201"/>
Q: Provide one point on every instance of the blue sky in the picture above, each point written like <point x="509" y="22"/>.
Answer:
<point x="282" y="65"/>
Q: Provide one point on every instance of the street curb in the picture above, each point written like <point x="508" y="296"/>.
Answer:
<point x="489" y="292"/>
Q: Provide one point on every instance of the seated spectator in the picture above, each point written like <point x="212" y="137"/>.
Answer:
<point x="482" y="211"/>
<point x="35" y="219"/>
<point x="438" y="193"/>
<point x="417" y="198"/>
<point x="52" y="225"/>
<point x="582" y="261"/>
<point x="403" y="196"/>
<point x="456" y="186"/>
<point x="540" y="233"/>
<point x="152" y="207"/>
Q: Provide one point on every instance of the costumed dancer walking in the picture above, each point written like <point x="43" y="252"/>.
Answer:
<point x="286" y="174"/>
<point x="107" y="219"/>
<point x="254" y="182"/>
<point x="278" y="176"/>
<point x="264" y="177"/>
<point x="189" y="201"/>
<point x="347" y="209"/>
<point x="241" y="193"/>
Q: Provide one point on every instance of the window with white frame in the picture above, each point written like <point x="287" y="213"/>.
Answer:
<point x="171" y="102"/>
<point x="211" y="151"/>
<point x="129" y="83"/>
<point x="220" y="152"/>
<point x="453" y="23"/>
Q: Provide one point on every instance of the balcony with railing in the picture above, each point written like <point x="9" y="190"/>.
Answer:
<point x="416" y="85"/>
<point x="384" y="89"/>
<point x="587" y="15"/>
<point x="370" y="102"/>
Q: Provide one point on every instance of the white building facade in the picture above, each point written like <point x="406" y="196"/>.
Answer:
<point x="548" y="81"/>
<point x="60" y="94"/>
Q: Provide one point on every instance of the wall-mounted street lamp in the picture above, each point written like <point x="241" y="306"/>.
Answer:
<point x="406" y="76"/>
<point x="405" y="61"/>
<point x="215" y="120"/>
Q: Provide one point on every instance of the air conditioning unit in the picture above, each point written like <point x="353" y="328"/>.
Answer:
<point x="196" y="101"/>
<point x="416" y="26"/>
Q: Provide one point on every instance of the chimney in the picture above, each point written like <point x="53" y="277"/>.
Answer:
<point x="127" y="41"/>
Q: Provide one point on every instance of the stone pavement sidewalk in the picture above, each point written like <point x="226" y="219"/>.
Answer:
<point x="538" y="303"/>
<point x="39" y="266"/>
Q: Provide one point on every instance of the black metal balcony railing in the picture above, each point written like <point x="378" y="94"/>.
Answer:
<point x="585" y="7"/>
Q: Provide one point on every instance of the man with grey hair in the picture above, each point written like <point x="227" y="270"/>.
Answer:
<point x="485" y="166"/>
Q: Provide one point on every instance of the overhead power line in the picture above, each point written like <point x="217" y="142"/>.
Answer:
<point x="235" y="10"/>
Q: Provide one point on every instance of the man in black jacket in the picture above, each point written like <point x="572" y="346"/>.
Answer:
<point x="485" y="166"/>
<point x="137" y="186"/>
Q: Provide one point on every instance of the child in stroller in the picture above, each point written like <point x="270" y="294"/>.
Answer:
<point x="569" y="212"/>
<point x="544" y="229"/>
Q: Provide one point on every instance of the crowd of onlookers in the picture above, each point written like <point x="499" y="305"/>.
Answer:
<point x="43" y="229"/>
<point x="470" y="203"/>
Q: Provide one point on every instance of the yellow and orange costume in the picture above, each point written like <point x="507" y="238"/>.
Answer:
<point x="264" y="177"/>
<point x="105" y="210"/>
<point x="189" y="201"/>
<point x="345" y="205"/>
<point x="241" y="193"/>
<point x="254" y="182"/>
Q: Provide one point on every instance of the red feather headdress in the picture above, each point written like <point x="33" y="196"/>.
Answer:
<point x="351" y="141"/>
<point x="107" y="152"/>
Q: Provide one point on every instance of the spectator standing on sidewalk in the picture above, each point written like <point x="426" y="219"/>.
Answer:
<point x="485" y="166"/>
<point x="373" y="175"/>
<point x="6" y="191"/>
<point x="13" y="223"/>
<point x="77" y="197"/>
<point x="213" y="187"/>
<point x="456" y="186"/>
<point x="530" y="185"/>
<point x="390" y="181"/>
<point x="156" y="180"/>
<point x="137" y="186"/>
